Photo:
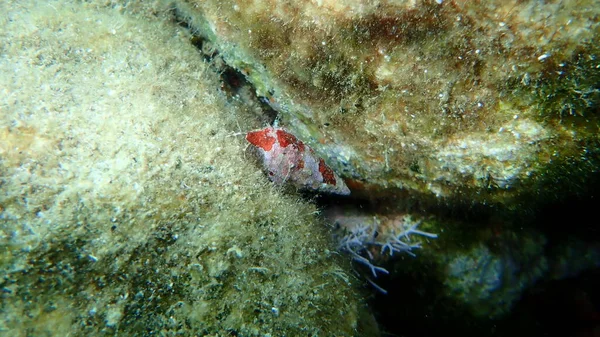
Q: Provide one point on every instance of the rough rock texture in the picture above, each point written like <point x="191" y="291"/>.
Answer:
<point x="490" y="281"/>
<point x="467" y="101"/>
<point x="126" y="204"/>
<point x="422" y="103"/>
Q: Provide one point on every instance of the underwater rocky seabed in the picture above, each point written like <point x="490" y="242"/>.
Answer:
<point x="128" y="205"/>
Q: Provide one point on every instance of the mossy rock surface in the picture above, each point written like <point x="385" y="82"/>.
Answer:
<point x="127" y="206"/>
<point x="464" y="101"/>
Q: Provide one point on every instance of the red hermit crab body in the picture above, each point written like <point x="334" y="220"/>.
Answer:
<point x="288" y="160"/>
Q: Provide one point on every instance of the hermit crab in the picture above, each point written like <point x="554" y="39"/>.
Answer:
<point x="286" y="159"/>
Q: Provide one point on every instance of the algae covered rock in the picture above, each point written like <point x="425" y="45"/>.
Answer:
<point x="468" y="101"/>
<point x="126" y="204"/>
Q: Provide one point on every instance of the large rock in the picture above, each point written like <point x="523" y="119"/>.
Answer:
<point x="467" y="101"/>
<point x="126" y="204"/>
